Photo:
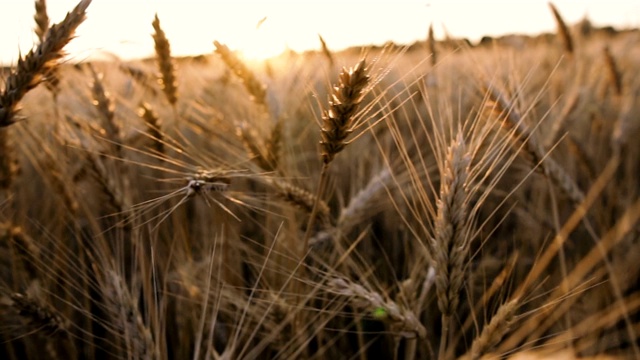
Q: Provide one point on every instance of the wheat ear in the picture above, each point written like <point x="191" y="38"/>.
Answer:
<point x="32" y="69"/>
<point x="615" y="77"/>
<point x="344" y="101"/>
<point x="401" y="318"/>
<point x="254" y="87"/>
<point x="167" y="75"/>
<point x="522" y="133"/>
<point x="493" y="332"/>
<point x="450" y="244"/>
<point x="431" y="42"/>
<point x="563" y="30"/>
<point x="52" y="78"/>
<point x="325" y="51"/>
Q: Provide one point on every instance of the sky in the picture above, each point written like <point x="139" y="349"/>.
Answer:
<point x="122" y="28"/>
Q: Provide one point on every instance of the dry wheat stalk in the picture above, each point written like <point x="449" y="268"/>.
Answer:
<point x="254" y="87"/>
<point x="401" y="318"/>
<point x="167" y="76"/>
<point x="615" y="77"/>
<point x="563" y="30"/>
<point x="493" y="332"/>
<point x="32" y="69"/>
<point x="344" y="101"/>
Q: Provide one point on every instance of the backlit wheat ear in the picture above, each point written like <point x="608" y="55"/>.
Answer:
<point x="325" y="51"/>
<point x="42" y="19"/>
<point x="32" y="69"/>
<point x="167" y="75"/>
<point x="254" y="87"/>
<point x="563" y="30"/>
<point x="52" y="78"/>
<point x="344" y="101"/>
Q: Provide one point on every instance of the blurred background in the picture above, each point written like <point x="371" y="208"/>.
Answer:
<point x="258" y="29"/>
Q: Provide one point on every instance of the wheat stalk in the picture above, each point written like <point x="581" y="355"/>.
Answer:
<point x="32" y="69"/>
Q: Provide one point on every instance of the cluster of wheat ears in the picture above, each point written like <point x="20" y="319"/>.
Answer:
<point x="418" y="203"/>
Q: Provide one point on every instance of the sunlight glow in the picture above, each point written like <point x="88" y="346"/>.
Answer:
<point x="123" y="28"/>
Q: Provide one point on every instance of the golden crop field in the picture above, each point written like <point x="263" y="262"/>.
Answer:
<point x="436" y="201"/>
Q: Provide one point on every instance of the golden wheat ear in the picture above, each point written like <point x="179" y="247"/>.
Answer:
<point x="344" y="101"/>
<point x="167" y="75"/>
<point x="34" y="67"/>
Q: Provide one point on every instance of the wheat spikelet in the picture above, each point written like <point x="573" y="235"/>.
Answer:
<point x="401" y="318"/>
<point x="254" y="87"/>
<point x="32" y="69"/>
<point x="167" y="76"/>
<point x="42" y="19"/>
<point x="493" y="332"/>
<point x="257" y="151"/>
<point x="109" y="184"/>
<point x="563" y="30"/>
<point x="301" y="198"/>
<point x="274" y="144"/>
<point x="344" y="101"/>
<point x="52" y="78"/>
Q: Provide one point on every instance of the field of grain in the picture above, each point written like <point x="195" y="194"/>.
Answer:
<point x="433" y="201"/>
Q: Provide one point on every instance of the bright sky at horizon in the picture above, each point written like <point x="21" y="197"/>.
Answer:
<point x="123" y="27"/>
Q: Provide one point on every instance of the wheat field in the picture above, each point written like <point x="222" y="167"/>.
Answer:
<point x="441" y="200"/>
